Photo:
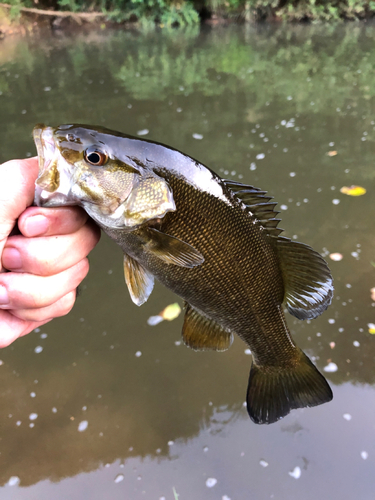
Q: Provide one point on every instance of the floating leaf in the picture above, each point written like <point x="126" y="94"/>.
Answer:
<point x="336" y="256"/>
<point x="332" y="153"/>
<point x="353" y="190"/>
<point x="169" y="313"/>
<point x="371" y="328"/>
<point x="373" y="294"/>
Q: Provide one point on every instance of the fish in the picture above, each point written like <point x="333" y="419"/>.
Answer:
<point x="214" y="242"/>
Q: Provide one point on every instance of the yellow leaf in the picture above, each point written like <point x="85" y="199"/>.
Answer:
<point x="332" y="153"/>
<point x="371" y="330"/>
<point x="353" y="190"/>
<point x="171" y="312"/>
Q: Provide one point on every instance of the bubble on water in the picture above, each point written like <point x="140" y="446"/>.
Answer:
<point x="170" y="443"/>
<point x="260" y="156"/>
<point x="1" y="362"/>
<point x="47" y="89"/>
<point x="247" y="351"/>
<point x="119" y="478"/>
<point x="211" y="481"/>
<point x="138" y="354"/>
<point x="54" y="410"/>
<point x="347" y="416"/>
<point x="144" y="131"/>
<point x="284" y="207"/>
<point x="205" y="449"/>
<point x="364" y="455"/>
<point x="225" y="497"/>
<point x="43" y="335"/>
<point x="355" y="254"/>
<point x="82" y="426"/>
<point x="33" y="416"/>
<point x="263" y="463"/>
<point x="289" y="98"/>
<point x="32" y="394"/>
<point x="38" y="349"/>
<point x="31" y="425"/>
<point x="331" y="321"/>
<point x="292" y="174"/>
<point x="296" y="473"/>
<point x="331" y="368"/>
<point x="335" y="201"/>
<point x="198" y="137"/>
<point x="18" y="423"/>
<point x="179" y="110"/>
<point x="253" y="166"/>
<point x="356" y="343"/>
<point x="14" y="481"/>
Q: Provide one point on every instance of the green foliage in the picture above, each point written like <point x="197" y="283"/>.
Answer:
<point x="169" y="13"/>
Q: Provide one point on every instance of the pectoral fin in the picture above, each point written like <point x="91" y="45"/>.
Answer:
<point x="140" y="282"/>
<point x="170" y="249"/>
<point x="307" y="279"/>
<point x="201" y="333"/>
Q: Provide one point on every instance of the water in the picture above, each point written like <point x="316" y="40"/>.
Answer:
<point x="100" y="404"/>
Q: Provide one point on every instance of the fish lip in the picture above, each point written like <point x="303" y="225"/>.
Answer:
<point x="45" y="196"/>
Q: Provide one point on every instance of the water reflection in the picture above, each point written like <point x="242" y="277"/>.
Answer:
<point x="268" y="106"/>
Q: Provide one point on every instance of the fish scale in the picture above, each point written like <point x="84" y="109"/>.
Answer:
<point x="213" y="242"/>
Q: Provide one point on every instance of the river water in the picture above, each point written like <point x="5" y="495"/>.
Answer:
<point x="100" y="404"/>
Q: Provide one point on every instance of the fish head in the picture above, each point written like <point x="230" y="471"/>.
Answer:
<point x="78" y="165"/>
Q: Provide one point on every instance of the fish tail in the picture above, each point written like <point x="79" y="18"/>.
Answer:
<point x="274" y="391"/>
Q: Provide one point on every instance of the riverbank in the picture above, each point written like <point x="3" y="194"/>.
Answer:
<point x="22" y="16"/>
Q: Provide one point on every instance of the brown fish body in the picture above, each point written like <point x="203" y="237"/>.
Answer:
<point x="213" y="242"/>
<point x="239" y="285"/>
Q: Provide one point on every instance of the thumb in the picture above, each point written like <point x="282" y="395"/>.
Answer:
<point x="17" y="178"/>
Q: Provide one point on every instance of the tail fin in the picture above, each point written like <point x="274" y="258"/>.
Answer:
<point x="274" y="391"/>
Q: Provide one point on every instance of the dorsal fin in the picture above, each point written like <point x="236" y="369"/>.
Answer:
<point x="258" y="204"/>
<point x="307" y="279"/>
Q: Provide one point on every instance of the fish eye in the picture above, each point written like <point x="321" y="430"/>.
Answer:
<point x="95" y="156"/>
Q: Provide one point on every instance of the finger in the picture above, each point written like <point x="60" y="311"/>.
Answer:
<point x="46" y="256"/>
<point x="27" y="291"/>
<point x="13" y="327"/>
<point x="60" y="308"/>
<point x="36" y="221"/>
<point x="17" y="179"/>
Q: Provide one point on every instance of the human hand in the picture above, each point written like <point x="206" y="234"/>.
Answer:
<point x="46" y="262"/>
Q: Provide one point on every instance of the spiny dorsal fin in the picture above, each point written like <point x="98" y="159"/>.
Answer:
<point x="307" y="279"/>
<point x="170" y="249"/>
<point x="201" y="333"/>
<point x="258" y="204"/>
<point x="140" y="282"/>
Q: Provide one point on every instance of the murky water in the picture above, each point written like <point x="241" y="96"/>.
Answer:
<point x="101" y="405"/>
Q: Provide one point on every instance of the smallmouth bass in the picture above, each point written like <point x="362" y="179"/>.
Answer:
<point x="214" y="242"/>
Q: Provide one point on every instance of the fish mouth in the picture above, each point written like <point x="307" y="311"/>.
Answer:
<point x="51" y="189"/>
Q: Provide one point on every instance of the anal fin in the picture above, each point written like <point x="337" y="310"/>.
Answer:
<point x="201" y="333"/>
<point x="273" y="391"/>
<point x="140" y="282"/>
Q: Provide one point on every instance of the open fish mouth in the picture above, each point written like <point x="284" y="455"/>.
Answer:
<point x="52" y="187"/>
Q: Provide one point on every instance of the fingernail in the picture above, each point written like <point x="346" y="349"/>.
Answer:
<point x="36" y="225"/>
<point x="4" y="299"/>
<point x="11" y="258"/>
